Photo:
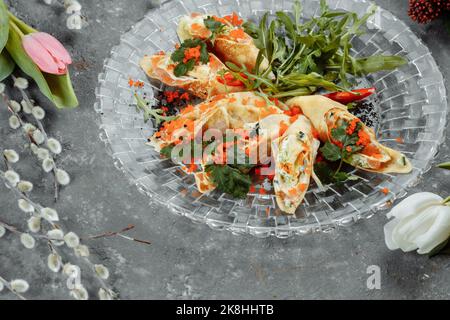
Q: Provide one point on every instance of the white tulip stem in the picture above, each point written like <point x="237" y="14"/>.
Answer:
<point x="8" y="286"/>
<point x="446" y="201"/>
<point x="30" y="137"/>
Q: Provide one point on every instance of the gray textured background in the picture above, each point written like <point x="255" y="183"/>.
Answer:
<point x="186" y="260"/>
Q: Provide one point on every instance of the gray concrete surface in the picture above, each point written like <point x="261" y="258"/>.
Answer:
<point x="188" y="261"/>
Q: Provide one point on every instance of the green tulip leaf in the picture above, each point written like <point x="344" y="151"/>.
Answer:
<point x="26" y="29"/>
<point x="57" y="88"/>
<point x="445" y="165"/>
<point x="6" y="65"/>
<point x="442" y="248"/>
<point x="4" y="25"/>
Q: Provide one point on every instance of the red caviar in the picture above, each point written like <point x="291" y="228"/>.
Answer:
<point x="234" y="19"/>
<point x="364" y="138"/>
<point x="192" y="53"/>
<point x="237" y="34"/>
<point x="171" y="95"/>
<point x="352" y="126"/>
<point x="229" y="80"/>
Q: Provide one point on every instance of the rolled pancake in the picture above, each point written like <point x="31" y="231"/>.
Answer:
<point x="326" y="114"/>
<point x="201" y="81"/>
<point x="239" y="50"/>
<point x="222" y="112"/>
<point x="294" y="154"/>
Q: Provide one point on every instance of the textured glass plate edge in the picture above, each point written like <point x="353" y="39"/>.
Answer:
<point x="286" y="229"/>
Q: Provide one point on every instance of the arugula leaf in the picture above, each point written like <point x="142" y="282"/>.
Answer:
<point x="320" y="46"/>
<point x="230" y="180"/>
<point x="378" y="63"/>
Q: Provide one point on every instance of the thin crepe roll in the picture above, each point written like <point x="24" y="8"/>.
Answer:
<point x="201" y="81"/>
<point x="326" y="114"/>
<point x="226" y="111"/>
<point x="231" y="45"/>
<point x="294" y="155"/>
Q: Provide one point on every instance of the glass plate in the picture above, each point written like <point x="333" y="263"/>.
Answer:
<point x="411" y="104"/>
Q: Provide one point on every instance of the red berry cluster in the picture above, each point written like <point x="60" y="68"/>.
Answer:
<point x="424" y="11"/>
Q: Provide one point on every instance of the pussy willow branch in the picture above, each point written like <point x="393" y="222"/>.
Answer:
<point x="120" y="234"/>
<point x="8" y="286"/>
<point x="44" y="134"/>
<point x="39" y="207"/>
<point x="54" y="249"/>
<point x="21" y="195"/>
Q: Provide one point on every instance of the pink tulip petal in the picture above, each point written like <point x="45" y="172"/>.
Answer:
<point x="55" y="47"/>
<point x="39" y="55"/>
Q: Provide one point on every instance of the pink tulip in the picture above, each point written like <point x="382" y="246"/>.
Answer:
<point x="47" y="52"/>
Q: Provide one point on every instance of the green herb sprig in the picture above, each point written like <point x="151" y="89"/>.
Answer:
<point x="149" y="112"/>
<point x="307" y="56"/>
<point x="230" y="180"/>
<point x="178" y="56"/>
<point x="342" y="147"/>
<point x="216" y="27"/>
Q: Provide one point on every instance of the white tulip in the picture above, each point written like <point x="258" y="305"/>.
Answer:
<point x="420" y="222"/>
<point x="2" y="89"/>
